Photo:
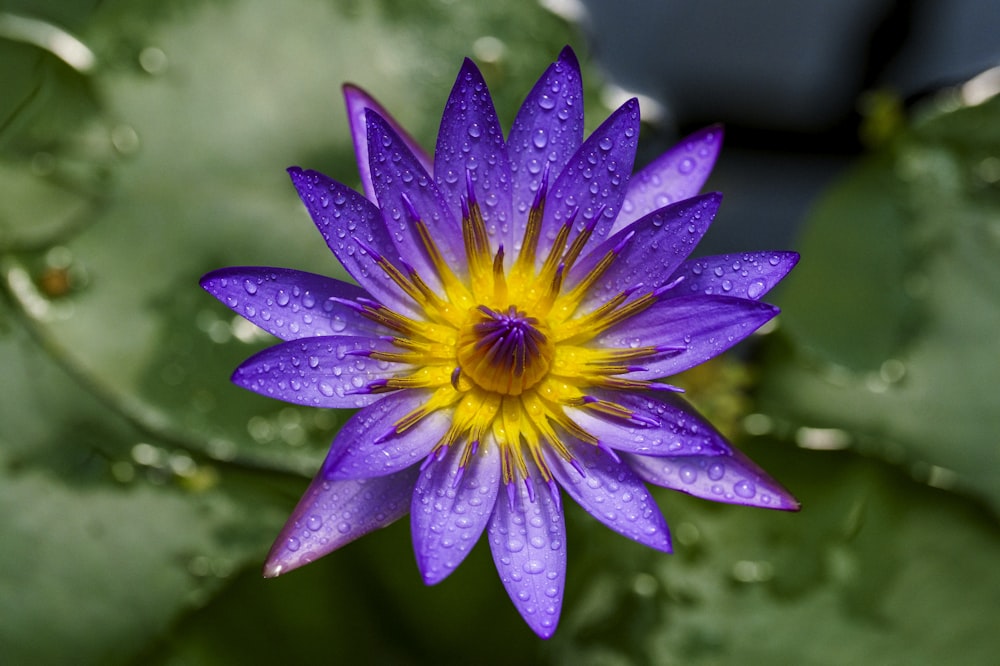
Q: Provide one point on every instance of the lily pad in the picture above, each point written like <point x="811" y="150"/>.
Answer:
<point x="893" y="325"/>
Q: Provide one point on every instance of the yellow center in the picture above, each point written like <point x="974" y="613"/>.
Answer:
<point x="506" y="352"/>
<point x="506" y="372"/>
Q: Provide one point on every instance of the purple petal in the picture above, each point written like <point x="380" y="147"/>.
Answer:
<point x="343" y="217"/>
<point x="331" y="514"/>
<point x="703" y="326"/>
<point x="357" y="102"/>
<point x="470" y="142"/>
<point x="317" y="372"/>
<point x="652" y="249"/>
<point x="398" y="178"/>
<point x="675" y="175"/>
<point x="672" y="427"/>
<point x="746" y="275"/>
<point x="529" y="549"/>
<point x="290" y="304"/>
<point x="447" y="519"/>
<point x="733" y="479"/>
<point x="547" y="131"/>
<point x="593" y="183"/>
<point x="367" y="445"/>
<point x="614" y="495"/>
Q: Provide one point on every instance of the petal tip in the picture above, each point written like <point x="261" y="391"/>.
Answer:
<point x="568" y="56"/>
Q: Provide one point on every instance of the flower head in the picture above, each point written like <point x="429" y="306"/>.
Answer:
<point x="518" y="300"/>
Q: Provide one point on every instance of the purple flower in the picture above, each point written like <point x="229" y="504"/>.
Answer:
<point x="519" y="298"/>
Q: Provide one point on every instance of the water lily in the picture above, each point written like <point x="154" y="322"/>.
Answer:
<point x="518" y="300"/>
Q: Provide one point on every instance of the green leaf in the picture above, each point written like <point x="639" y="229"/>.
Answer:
<point x="875" y="569"/>
<point x="893" y="330"/>
<point x="108" y="534"/>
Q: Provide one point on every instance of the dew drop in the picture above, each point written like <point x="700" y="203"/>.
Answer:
<point x="745" y="489"/>
<point x="314" y="522"/>
<point x="606" y="143"/>
<point x="250" y="287"/>
<point x="688" y="474"/>
<point x="716" y="471"/>
<point x="293" y="544"/>
<point x="686" y="165"/>
<point x="533" y="566"/>
<point x="475" y="131"/>
<point x="756" y="288"/>
<point x="546" y="102"/>
<point x="540" y="139"/>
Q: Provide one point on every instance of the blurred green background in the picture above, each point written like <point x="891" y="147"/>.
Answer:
<point x="144" y="143"/>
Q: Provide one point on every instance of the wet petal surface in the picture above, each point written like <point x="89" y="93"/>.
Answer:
<point x="357" y="102"/>
<point x="290" y="304"/>
<point x="471" y="148"/>
<point x="547" y="131"/>
<point x="745" y="275"/>
<point x="675" y="175"/>
<point x="368" y="444"/>
<point x="702" y="326"/>
<point x="332" y="514"/>
<point x="612" y="493"/>
<point x="348" y="223"/>
<point x="733" y="478"/>
<point x="450" y="509"/>
<point x="670" y="425"/>
<point x="317" y="372"/>
<point x="528" y="541"/>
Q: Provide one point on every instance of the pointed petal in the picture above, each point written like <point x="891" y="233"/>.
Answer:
<point x="593" y="184"/>
<point x="344" y="217"/>
<point x="733" y="479"/>
<point x="675" y="175"/>
<point x="447" y="520"/>
<point x="614" y="495"/>
<point x="528" y="542"/>
<point x="745" y="275"/>
<point x="672" y="427"/>
<point x="317" y="372"/>
<point x="651" y="249"/>
<point x="470" y="141"/>
<point x="703" y="326"/>
<point x="397" y="177"/>
<point x="290" y="304"/>
<point x="357" y="101"/>
<point x="547" y="131"/>
<point x="367" y="444"/>
<point x="331" y="514"/>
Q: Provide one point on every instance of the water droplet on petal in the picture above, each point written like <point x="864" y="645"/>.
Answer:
<point x="533" y="566"/>
<point x="745" y="489"/>
<point x="756" y="288"/>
